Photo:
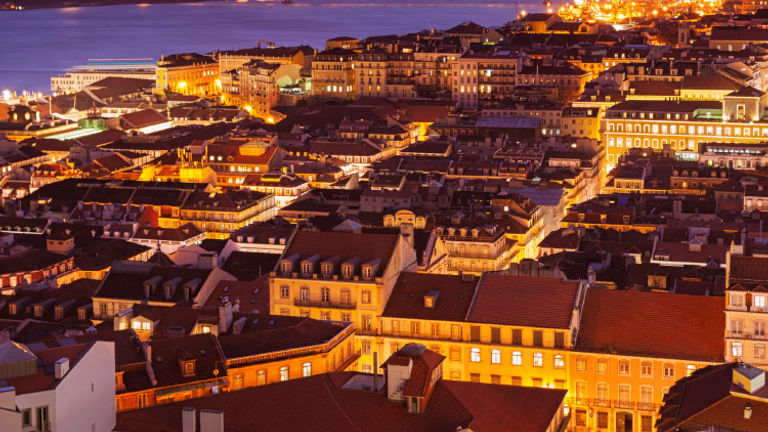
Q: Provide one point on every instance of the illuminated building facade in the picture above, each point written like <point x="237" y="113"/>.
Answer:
<point x="683" y="125"/>
<point x="190" y="74"/>
<point x="484" y="78"/>
<point x="333" y="74"/>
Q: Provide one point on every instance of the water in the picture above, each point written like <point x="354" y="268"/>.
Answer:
<point x="37" y="44"/>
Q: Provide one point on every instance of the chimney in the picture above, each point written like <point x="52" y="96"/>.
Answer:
<point x="748" y="412"/>
<point x="225" y="317"/>
<point x="188" y="419"/>
<point x="62" y="367"/>
<point x="211" y="421"/>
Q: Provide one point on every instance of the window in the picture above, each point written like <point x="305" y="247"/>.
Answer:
<point x="537" y="338"/>
<point x="602" y="391"/>
<point x="623" y="367"/>
<point x="495" y="356"/>
<point x="304" y="294"/>
<point x="495" y="335"/>
<point x="365" y="346"/>
<point x="517" y="358"/>
<point x="474" y="355"/>
<point x="581" y="364"/>
<point x="537" y="382"/>
<point x="580" y="391"/>
<point x="206" y="329"/>
<point x="306" y="369"/>
<point x="141" y="402"/>
<point x="365" y="297"/>
<point x="415" y="328"/>
<point x="517" y="381"/>
<point x="26" y="417"/>
<point x="325" y="315"/>
<point x="602" y="366"/>
<point x="346" y="317"/>
<point x="646" y="423"/>
<point x="689" y="369"/>
<point x="602" y="419"/>
<point x="455" y="354"/>
<point x="759" y="329"/>
<point x="736" y="349"/>
<point x="137" y="325"/>
<point x="396" y="327"/>
<point x="646" y="394"/>
<point x="474" y="333"/>
<point x="669" y="370"/>
<point x="435" y="330"/>
<point x="284" y="373"/>
<point x="455" y="375"/>
<point x="538" y="360"/>
<point x="455" y="332"/>
<point x="624" y="391"/>
<point x="367" y="322"/>
<point x="759" y="351"/>
<point x="495" y="379"/>
<point x="261" y="377"/>
<point x="285" y="292"/>
<point x="474" y="377"/>
<point x="517" y="336"/>
<point x="146" y="326"/>
<point x="759" y="301"/>
<point x="581" y="417"/>
<point x="345" y="297"/>
<point x="559" y="362"/>
<point x="559" y="340"/>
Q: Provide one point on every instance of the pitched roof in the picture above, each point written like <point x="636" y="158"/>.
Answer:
<point x="334" y="243"/>
<point x="320" y="403"/>
<point x="453" y="297"/>
<point x="661" y="325"/>
<point x="524" y="301"/>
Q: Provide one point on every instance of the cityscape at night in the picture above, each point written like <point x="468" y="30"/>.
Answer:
<point x="345" y="215"/>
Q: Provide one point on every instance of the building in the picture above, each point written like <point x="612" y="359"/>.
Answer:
<point x="484" y="78"/>
<point x="58" y="389"/>
<point x="189" y="74"/>
<point x="683" y="125"/>
<point x="631" y="348"/>
<point x="720" y="398"/>
<point x="75" y="81"/>
<point x="333" y="74"/>
<point x="746" y="310"/>
<point x="412" y="395"/>
<point x="339" y="276"/>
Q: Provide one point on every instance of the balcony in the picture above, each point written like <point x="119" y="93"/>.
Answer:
<point x="324" y="304"/>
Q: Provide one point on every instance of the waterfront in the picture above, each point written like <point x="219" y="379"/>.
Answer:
<point x="44" y="42"/>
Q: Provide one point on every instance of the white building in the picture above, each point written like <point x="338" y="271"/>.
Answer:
<point x="60" y="389"/>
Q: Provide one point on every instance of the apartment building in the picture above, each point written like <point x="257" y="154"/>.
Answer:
<point x="746" y="310"/>
<point x="484" y="78"/>
<point x="475" y="249"/>
<point x="256" y="85"/>
<point x="333" y="74"/>
<point x="684" y="125"/>
<point x="300" y="55"/>
<point x="631" y="348"/>
<point x="491" y="329"/>
<point x="190" y="74"/>
<point x="340" y="276"/>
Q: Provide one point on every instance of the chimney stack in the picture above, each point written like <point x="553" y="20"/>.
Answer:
<point x="375" y="371"/>
<point x="62" y="367"/>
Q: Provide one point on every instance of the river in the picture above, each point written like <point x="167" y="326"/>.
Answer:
<point x="37" y="44"/>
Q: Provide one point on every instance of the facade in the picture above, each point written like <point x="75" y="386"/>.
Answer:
<point x="339" y="276"/>
<point x="746" y="310"/>
<point x="75" y="81"/>
<point x="73" y="390"/>
<point x="333" y="74"/>
<point x="189" y="74"/>
<point x="484" y="79"/>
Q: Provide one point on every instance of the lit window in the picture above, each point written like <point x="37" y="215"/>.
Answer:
<point x="517" y="358"/>
<point x="284" y="373"/>
<point x="137" y="325"/>
<point x="624" y="367"/>
<point x="306" y="369"/>
<point x="690" y="369"/>
<point x="475" y="355"/>
<point x="495" y="356"/>
<point x="559" y="361"/>
<point x="736" y="349"/>
<point x="538" y="360"/>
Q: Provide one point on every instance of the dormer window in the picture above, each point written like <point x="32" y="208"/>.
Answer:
<point x="737" y="300"/>
<point x="327" y="269"/>
<point x="286" y="267"/>
<point x="188" y="368"/>
<point x="347" y="270"/>
<point x="367" y="272"/>
<point x="759" y="302"/>
<point x="306" y="268"/>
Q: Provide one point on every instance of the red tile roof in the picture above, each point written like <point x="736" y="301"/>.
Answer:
<point x="653" y="324"/>
<point x="453" y="299"/>
<point x="319" y="403"/>
<point x="524" y="301"/>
